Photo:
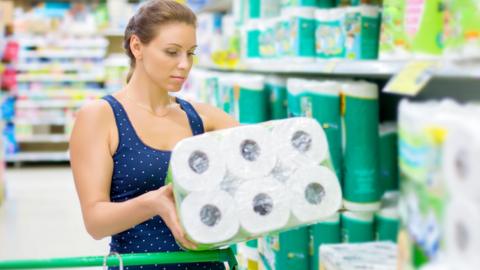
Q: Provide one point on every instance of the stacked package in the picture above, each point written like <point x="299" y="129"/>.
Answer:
<point x="439" y="150"/>
<point x="430" y="29"/>
<point x="242" y="183"/>
<point x="378" y="256"/>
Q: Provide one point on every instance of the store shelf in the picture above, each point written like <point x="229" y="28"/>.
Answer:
<point x="216" y="6"/>
<point x="58" y="66"/>
<point x="113" y="32"/>
<point x="93" y="42"/>
<point x="37" y="157"/>
<point x="60" y="54"/>
<point x="24" y="104"/>
<point x="48" y="138"/>
<point x="36" y="122"/>
<point x="369" y="68"/>
<point x="60" y="78"/>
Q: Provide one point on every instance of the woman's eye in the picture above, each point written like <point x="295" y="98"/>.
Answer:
<point x="191" y="53"/>
<point x="172" y="53"/>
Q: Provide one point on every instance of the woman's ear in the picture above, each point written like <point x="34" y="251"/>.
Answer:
<point x="136" y="47"/>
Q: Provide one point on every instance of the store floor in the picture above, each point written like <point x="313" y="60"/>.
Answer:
<point x="41" y="216"/>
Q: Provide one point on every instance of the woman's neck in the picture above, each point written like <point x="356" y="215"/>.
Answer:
<point x="141" y="91"/>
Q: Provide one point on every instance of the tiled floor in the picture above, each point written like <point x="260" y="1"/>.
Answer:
<point x="41" y="216"/>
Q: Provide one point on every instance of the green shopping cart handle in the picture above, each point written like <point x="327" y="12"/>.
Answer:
<point x="224" y="255"/>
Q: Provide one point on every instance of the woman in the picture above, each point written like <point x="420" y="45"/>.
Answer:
<point x="120" y="145"/>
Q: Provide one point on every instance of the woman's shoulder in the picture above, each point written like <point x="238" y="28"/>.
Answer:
<point x="95" y="114"/>
<point x="214" y="117"/>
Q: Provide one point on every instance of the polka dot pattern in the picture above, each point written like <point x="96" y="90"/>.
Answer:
<point x="139" y="168"/>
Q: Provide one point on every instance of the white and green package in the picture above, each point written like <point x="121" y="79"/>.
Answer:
<point x="322" y="233"/>
<point x="394" y="43"/>
<point x="252" y="39"/>
<point x="302" y="33"/>
<point x="245" y="182"/>
<point x="361" y="184"/>
<point x="251" y="99"/>
<point x="263" y="8"/>
<point x="357" y="227"/>
<point x="462" y="29"/>
<point x="322" y="102"/>
<point x="361" y="27"/>
<point x="283" y="45"/>
<point x="329" y="36"/>
<point x="423" y="130"/>
<point x="387" y="219"/>
<point x="267" y="39"/>
<point x="247" y="255"/>
<point x="295" y="91"/>
<point x="388" y="151"/>
<point x="374" y="255"/>
<point x="277" y="90"/>
<point x="424" y="27"/>
<point x="286" y="251"/>
<point x="285" y="4"/>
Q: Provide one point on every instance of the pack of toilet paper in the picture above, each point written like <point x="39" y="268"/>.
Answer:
<point x="245" y="182"/>
<point x="439" y="148"/>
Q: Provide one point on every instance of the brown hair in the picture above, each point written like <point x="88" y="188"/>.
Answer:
<point x="144" y="24"/>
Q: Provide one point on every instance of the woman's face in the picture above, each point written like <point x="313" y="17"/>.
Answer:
<point x="168" y="58"/>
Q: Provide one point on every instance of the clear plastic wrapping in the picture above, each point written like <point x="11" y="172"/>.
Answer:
<point x="245" y="182"/>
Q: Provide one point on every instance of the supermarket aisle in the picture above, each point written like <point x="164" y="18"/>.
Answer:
<point x="41" y="217"/>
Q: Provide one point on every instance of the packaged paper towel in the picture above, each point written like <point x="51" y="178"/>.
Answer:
<point x="375" y="256"/>
<point x="427" y="186"/>
<point x="198" y="165"/>
<point x="245" y="182"/>
<point x="462" y="234"/>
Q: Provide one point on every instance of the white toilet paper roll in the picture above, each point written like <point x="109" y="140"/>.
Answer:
<point x="461" y="153"/>
<point x="209" y="216"/>
<point x="248" y="151"/>
<point x="462" y="233"/>
<point x="299" y="141"/>
<point x="263" y="205"/>
<point x="316" y="193"/>
<point x="282" y="172"/>
<point x="197" y="164"/>
<point x="230" y="183"/>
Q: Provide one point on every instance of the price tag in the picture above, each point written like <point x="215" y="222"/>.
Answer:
<point x="330" y="66"/>
<point x="412" y="78"/>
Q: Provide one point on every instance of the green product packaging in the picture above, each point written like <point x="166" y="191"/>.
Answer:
<point x="287" y="250"/>
<point x="322" y="102"/>
<point x="298" y="3"/>
<point x="462" y="28"/>
<point x="325" y="232"/>
<point x="252" y="100"/>
<point x="247" y="255"/>
<point x="283" y="46"/>
<point x="329" y="37"/>
<point x="361" y="26"/>
<point x="252" y="31"/>
<point x="394" y="43"/>
<point x="424" y="27"/>
<point x="325" y="3"/>
<point x="357" y="227"/>
<point x="388" y="149"/>
<point x="360" y="117"/>
<point x="277" y="89"/>
<point x="267" y="39"/>
<point x="294" y="95"/>
<point x="387" y="223"/>
<point x="302" y="33"/>
<point x="254" y="8"/>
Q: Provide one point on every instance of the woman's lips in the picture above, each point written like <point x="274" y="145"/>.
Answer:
<point x="178" y="78"/>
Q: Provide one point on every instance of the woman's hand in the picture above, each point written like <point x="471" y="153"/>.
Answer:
<point x="164" y="203"/>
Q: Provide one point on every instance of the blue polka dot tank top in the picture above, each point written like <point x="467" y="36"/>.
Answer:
<point x="137" y="169"/>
